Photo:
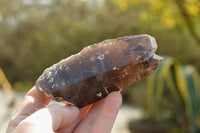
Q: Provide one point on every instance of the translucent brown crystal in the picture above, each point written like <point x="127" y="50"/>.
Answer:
<point x="100" y="69"/>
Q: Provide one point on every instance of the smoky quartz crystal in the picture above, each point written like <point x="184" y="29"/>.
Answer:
<point x="100" y="69"/>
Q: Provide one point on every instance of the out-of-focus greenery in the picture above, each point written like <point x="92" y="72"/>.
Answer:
<point x="35" y="34"/>
<point x="174" y="94"/>
<point x="171" y="13"/>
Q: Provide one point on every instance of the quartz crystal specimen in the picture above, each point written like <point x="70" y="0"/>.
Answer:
<point x="100" y="69"/>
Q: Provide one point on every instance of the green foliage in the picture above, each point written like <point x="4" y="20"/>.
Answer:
<point x="171" y="13"/>
<point x="174" y="93"/>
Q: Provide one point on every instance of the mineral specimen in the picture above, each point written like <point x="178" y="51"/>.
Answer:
<point x="100" y="69"/>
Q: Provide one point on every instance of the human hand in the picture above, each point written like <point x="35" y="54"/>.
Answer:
<point x="36" y="116"/>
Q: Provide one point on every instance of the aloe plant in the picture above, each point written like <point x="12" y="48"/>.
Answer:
<point x="175" y="88"/>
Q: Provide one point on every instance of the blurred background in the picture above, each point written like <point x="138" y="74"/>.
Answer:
<point x="34" y="34"/>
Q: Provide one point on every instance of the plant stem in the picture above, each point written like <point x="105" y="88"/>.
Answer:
<point x="186" y="17"/>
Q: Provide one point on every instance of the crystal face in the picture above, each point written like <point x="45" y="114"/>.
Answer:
<point x="100" y="69"/>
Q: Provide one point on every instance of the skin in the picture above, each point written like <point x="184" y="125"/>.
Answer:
<point x="36" y="115"/>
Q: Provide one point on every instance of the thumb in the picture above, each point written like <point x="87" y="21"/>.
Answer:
<point x="49" y="119"/>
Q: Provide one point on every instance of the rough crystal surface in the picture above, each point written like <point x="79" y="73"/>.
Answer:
<point x="99" y="69"/>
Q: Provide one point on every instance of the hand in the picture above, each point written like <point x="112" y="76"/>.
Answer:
<point x="36" y="116"/>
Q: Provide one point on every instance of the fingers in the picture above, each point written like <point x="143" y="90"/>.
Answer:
<point x="32" y="102"/>
<point x="102" y="115"/>
<point x="49" y="119"/>
<point x="108" y="114"/>
<point x="75" y="124"/>
<point x="64" y="119"/>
